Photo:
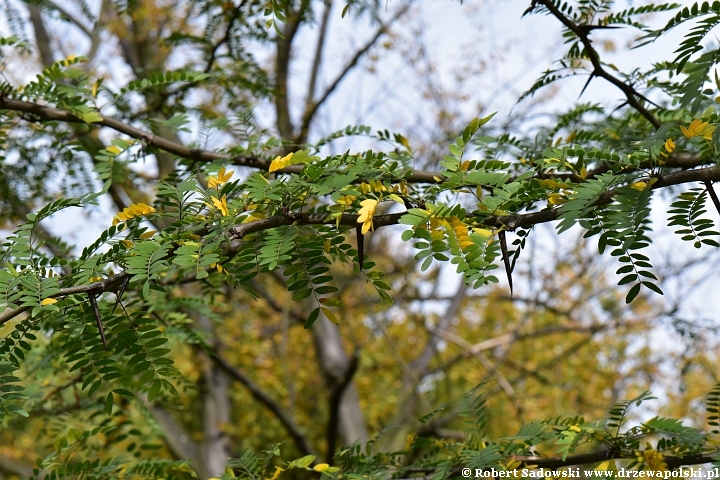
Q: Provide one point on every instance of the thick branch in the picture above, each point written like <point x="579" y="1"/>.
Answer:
<point x="177" y="438"/>
<point x="239" y="231"/>
<point x="335" y="402"/>
<point x="13" y="467"/>
<point x="282" y="69"/>
<point x="509" y="222"/>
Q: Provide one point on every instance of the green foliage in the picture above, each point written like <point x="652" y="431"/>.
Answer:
<point x="687" y="211"/>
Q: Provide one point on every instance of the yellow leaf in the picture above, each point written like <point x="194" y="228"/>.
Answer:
<point x="330" y="315"/>
<point x="95" y="88"/>
<point x="321" y="467"/>
<point x="366" y="214"/>
<point x="221" y="205"/>
<point x="583" y="172"/>
<point x="90" y="117"/>
<point x="131" y="211"/>
<point x="669" y="145"/>
<point x="346" y="200"/>
<point x="148" y="234"/>
<point x="655" y="460"/>
<point x="603" y="466"/>
<point x="396" y="199"/>
<point x="551" y="184"/>
<point x="254" y="217"/>
<point x="280" y="163"/>
<point x="401" y="188"/>
<point x="127" y="243"/>
<point x="224" y="176"/>
<point x="556" y="199"/>
<point x="48" y="301"/>
<point x="141" y="209"/>
<point x="483" y="231"/>
<point x="698" y="128"/>
<point x="220" y="179"/>
<point x="278" y="471"/>
<point x="404" y="142"/>
<point x="114" y="149"/>
<point x="640" y="186"/>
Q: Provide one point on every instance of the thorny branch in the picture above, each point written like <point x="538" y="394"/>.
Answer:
<point x="631" y="94"/>
<point x="509" y="222"/>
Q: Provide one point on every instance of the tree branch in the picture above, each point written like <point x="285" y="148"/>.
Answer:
<point x="228" y="31"/>
<point x="318" y="54"/>
<point x="70" y="17"/>
<point x="109" y="284"/>
<point x="630" y="93"/>
<point x="42" y="39"/>
<point x="314" y="106"/>
<point x="261" y="396"/>
<point x="509" y="222"/>
<point x="581" y="459"/>
<point x="177" y="439"/>
<point x="44" y="113"/>
<point x="335" y="402"/>
<point x="282" y="69"/>
<point x="13" y="467"/>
